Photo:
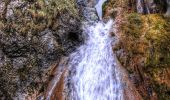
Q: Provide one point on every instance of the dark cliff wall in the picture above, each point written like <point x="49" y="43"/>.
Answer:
<point x="154" y="6"/>
<point x="34" y="34"/>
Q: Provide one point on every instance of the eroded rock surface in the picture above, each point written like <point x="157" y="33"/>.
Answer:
<point x="33" y="36"/>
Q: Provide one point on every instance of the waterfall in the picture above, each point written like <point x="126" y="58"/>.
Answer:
<point x="142" y="6"/>
<point x="99" y="8"/>
<point x="168" y="8"/>
<point x="94" y="72"/>
<point x="139" y="5"/>
<point x="96" y="76"/>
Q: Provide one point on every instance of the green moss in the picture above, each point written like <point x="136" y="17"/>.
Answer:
<point x="163" y="90"/>
<point x="159" y="38"/>
<point x="151" y="31"/>
<point x="133" y="27"/>
<point x="113" y="6"/>
<point x="148" y="37"/>
<point x="40" y="14"/>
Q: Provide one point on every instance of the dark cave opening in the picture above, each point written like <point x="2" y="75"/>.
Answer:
<point x="73" y="36"/>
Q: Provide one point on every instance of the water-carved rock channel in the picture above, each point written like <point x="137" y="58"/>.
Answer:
<point x="92" y="72"/>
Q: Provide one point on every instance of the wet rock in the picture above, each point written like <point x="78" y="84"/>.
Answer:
<point x="57" y="82"/>
<point x="90" y="14"/>
<point x="50" y="45"/>
<point x="87" y="3"/>
<point x="87" y="8"/>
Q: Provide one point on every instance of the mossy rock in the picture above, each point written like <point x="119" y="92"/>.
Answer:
<point x="39" y="15"/>
<point x="148" y="37"/>
<point x="158" y="35"/>
<point x="151" y="31"/>
<point x="162" y="90"/>
<point x="134" y="26"/>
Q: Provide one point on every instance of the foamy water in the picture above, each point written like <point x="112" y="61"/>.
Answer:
<point x="96" y="76"/>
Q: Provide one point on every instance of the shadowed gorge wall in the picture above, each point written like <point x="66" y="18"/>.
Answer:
<point x="34" y="34"/>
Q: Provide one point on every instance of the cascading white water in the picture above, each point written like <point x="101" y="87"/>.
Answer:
<point x="99" y="8"/>
<point x="93" y="72"/>
<point x="140" y="8"/>
<point x="143" y="7"/>
<point x="96" y="76"/>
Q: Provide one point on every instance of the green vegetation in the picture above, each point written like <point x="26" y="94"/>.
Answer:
<point x="22" y="51"/>
<point x="144" y="47"/>
<point x="111" y="7"/>
<point x="146" y="40"/>
<point x="39" y="15"/>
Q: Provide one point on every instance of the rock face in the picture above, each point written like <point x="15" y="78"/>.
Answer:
<point x="61" y="86"/>
<point x="34" y="35"/>
<point x="57" y="86"/>
<point x="148" y="6"/>
<point x="143" y="48"/>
